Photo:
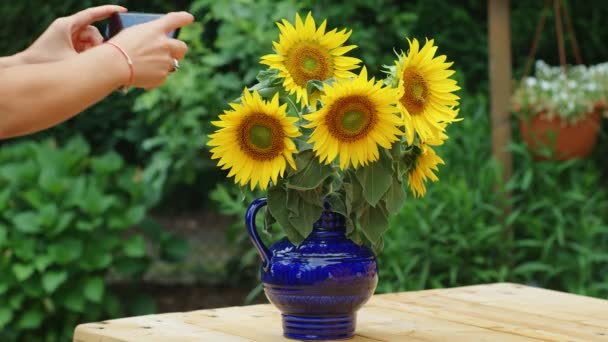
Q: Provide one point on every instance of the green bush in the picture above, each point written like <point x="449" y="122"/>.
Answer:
<point x="560" y="225"/>
<point x="63" y="216"/>
<point x="555" y="234"/>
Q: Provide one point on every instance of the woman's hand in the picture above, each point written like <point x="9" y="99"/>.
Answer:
<point x="69" y="36"/>
<point x="151" y="50"/>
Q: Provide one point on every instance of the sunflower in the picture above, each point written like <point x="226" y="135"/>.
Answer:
<point x="426" y="96"/>
<point x="254" y="140"/>
<point x="306" y="52"/>
<point x="426" y="163"/>
<point x="357" y="116"/>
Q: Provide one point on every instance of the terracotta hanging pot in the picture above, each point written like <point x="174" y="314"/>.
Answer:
<point x="567" y="141"/>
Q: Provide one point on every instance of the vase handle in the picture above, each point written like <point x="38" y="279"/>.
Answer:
<point x="252" y="211"/>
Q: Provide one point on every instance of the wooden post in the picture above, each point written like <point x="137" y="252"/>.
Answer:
<point x="500" y="81"/>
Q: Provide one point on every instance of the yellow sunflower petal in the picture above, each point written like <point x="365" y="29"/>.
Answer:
<point x="357" y="117"/>
<point x="254" y="140"/>
<point x="426" y="163"/>
<point x="426" y="90"/>
<point x="306" y="52"/>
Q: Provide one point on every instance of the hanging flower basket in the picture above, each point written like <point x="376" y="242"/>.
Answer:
<point x="560" y="113"/>
<point x="565" y="141"/>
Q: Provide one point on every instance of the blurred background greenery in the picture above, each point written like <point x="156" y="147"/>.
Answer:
<point x="120" y="211"/>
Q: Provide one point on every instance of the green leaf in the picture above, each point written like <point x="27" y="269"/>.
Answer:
<point x="64" y="222"/>
<point x="267" y="75"/>
<point x="21" y="172"/>
<point x="34" y="198"/>
<point x="376" y="179"/>
<point x="378" y="246"/>
<point x="310" y="172"/>
<point x="108" y="163"/>
<point x="337" y="203"/>
<point x="277" y="197"/>
<point x="42" y="262"/>
<point x="87" y="226"/>
<point x="395" y="196"/>
<point x="22" y="271"/>
<point x="27" y="222"/>
<point x="74" y="301"/>
<point x="31" y="319"/>
<point x="66" y="250"/>
<point x="77" y="149"/>
<point x="135" y="247"/>
<point x="354" y="192"/>
<point x="94" y="202"/>
<point x="96" y="260"/>
<point x="50" y="182"/>
<point x="3" y="235"/>
<point x="315" y="197"/>
<point x="302" y="214"/>
<point x="53" y="279"/>
<point x="6" y="315"/>
<point x="5" y="197"/>
<point x="314" y="86"/>
<point x="117" y="223"/>
<point x="25" y="249"/>
<point x="135" y="215"/>
<point x="3" y="287"/>
<point x="16" y="300"/>
<point x="94" y="289"/>
<point x="534" y="267"/>
<point x="374" y="222"/>
<point x="48" y="215"/>
<point x="76" y="191"/>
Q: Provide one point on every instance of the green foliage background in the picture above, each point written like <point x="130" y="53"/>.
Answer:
<point x="555" y="236"/>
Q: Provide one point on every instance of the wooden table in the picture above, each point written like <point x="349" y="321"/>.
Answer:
<point x="495" y="312"/>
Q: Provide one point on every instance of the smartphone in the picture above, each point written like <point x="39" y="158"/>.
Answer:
<point x="121" y="21"/>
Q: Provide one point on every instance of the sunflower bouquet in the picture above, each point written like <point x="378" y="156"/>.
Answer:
<point x="313" y="132"/>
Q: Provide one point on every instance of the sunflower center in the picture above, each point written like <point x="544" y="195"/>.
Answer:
<point x="308" y="61"/>
<point x="354" y="120"/>
<point x="261" y="136"/>
<point x="415" y="91"/>
<point x="310" y="64"/>
<point x="350" y="118"/>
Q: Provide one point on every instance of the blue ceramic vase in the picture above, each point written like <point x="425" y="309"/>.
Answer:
<point x="319" y="285"/>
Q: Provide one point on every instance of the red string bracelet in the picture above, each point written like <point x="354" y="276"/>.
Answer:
<point x="129" y="61"/>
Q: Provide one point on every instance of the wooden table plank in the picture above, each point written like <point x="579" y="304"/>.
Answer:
<point x="525" y="299"/>
<point x="151" y="328"/>
<point x="495" y="312"/>
<point x="561" y="304"/>
<point x="383" y="320"/>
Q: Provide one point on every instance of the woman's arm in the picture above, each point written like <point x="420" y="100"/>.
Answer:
<point x="10" y="61"/>
<point x="34" y="97"/>
<point x="37" y="96"/>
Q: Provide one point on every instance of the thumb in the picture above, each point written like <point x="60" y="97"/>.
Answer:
<point x="93" y="14"/>
<point x="175" y="20"/>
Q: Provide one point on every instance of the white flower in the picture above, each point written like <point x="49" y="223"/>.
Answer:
<point x="544" y="85"/>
